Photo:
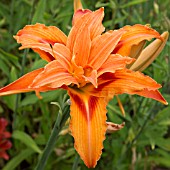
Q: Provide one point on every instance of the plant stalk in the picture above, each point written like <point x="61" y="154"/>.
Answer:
<point x="60" y="121"/>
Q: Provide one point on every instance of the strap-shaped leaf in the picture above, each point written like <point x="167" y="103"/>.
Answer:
<point x="27" y="140"/>
<point x="14" y="162"/>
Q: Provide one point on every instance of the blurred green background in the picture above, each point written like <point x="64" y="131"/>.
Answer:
<point x="143" y="144"/>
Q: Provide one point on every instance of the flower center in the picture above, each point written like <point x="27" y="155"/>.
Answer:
<point x="80" y="73"/>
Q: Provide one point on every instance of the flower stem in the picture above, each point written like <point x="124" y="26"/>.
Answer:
<point x="61" y="119"/>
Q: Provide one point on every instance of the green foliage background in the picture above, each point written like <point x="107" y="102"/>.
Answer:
<point x="144" y="143"/>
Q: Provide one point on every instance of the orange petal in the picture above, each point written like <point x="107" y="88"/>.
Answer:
<point x="102" y="46"/>
<point x="78" y="14"/>
<point x="154" y="95"/>
<point x="95" y="23"/>
<point x="53" y="76"/>
<point x="82" y="46"/>
<point x="44" y="55"/>
<point x="40" y="37"/>
<point x="79" y="11"/>
<point x="133" y="36"/>
<point x="22" y="84"/>
<point x="77" y="71"/>
<point x="93" y="20"/>
<point x="125" y="81"/>
<point x="84" y="75"/>
<point x="113" y="63"/>
<point x="92" y="78"/>
<point x="88" y="125"/>
<point x="62" y="54"/>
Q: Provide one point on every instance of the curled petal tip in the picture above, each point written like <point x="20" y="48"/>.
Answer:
<point x="134" y="35"/>
<point x="112" y="127"/>
<point x="153" y="94"/>
<point x="102" y="8"/>
<point x="15" y="36"/>
<point x="165" y="103"/>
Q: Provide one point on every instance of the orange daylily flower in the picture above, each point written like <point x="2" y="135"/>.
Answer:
<point x="91" y="65"/>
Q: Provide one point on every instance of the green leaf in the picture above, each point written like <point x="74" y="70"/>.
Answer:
<point x="9" y="57"/>
<point x="14" y="162"/>
<point x="52" y="95"/>
<point x="11" y="99"/>
<point x="13" y="74"/>
<point x="160" y="161"/>
<point x="27" y="140"/>
<point x="100" y="4"/>
<point x="163" y="116"/>
<point x="38" y="64"/>
<point x="30" y="99"/>
<point x="38" y="15"/>
<point x="4" y="67"/>
<point x="47" y="97"/>
<point x="163" y="143"/>
<point x="131" y="3"/>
